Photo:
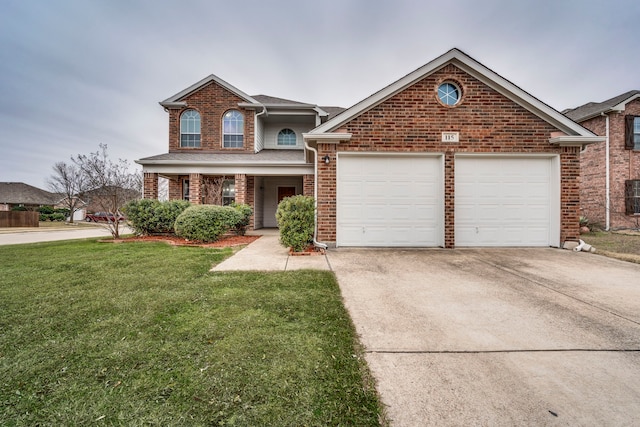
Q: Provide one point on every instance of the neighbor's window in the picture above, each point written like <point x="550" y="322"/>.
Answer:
<point x="228" y="192"/>
<point x="287" y="137"/>
<point x="190" y="129"/>
<point x="632" y="132"/>
<point x="632" y="196"/>
<point x="233" y="129"/>
<point x="449" y="93"/>
<point x="185" y="189"/>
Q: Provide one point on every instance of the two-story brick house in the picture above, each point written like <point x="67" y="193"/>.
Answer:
<point x="450" y="155"/>
<point x="610" y="172"/>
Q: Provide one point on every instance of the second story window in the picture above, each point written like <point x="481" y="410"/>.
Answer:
<point x="632" y="132"/>
<point x="233" y="129"/>
<point x="287" y="137"/>
<point x="190" y="129"/>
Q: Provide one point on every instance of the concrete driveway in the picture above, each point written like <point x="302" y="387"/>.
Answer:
<point x="497" y="336"/>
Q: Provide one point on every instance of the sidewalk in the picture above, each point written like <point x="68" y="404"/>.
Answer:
<point x="267" y="254"/>
<point x="16" y="236"/>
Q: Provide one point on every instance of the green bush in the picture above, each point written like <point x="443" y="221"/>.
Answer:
<point x="245" y="210"/>
<point x="206" y="223"/>
<point x="295" y="216"/>
<point x="47" y="210"/>
<point x="147" y="216"/>
<point x="44" y="217"/>
<point x="57" y="217"/>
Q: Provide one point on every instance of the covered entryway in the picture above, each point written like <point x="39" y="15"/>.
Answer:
<point x="507" y="200"/>
<point x="387" y="200"/>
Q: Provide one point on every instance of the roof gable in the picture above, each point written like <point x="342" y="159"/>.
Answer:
<point x="177" y="99"/>
<point x="592" y="109"/>
<point x="476" y="70"/>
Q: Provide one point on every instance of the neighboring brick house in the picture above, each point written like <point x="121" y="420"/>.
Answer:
<point x="610" y="172"/>
<point x="19" y="194"/>
<point x="450" y="155"/>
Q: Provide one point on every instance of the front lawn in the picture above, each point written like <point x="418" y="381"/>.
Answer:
<point x="620" y="245"/>
<point x="143" y="334"/>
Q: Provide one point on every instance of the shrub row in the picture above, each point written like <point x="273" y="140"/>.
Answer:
<point x="204" y="223"/>
<point x="147" y="216"/>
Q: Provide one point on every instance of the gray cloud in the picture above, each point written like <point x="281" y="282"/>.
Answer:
<point x="77" y="73"/>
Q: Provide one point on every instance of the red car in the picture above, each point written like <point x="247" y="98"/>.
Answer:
<point x="103" y="217"/>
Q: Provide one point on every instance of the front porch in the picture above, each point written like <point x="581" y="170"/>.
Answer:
<point x="261" y="192"/>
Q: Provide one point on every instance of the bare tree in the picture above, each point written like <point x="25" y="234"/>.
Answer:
<point x="212" y="190"/>
<point x="67" y="181"/>
<point x="108" y="184"/>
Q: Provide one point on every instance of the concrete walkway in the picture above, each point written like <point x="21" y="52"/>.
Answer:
<point x="267" y="254"/>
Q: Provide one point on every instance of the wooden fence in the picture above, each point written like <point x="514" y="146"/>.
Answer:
<point x="19" y="219"/>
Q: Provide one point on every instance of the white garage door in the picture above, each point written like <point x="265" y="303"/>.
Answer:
<point x="507" y="201"/>
<point x="385" y="200"/>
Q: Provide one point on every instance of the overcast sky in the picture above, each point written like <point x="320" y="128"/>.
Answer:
<point x="77" y="73"/>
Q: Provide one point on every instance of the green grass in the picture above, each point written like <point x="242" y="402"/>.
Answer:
<point x="143" y="334"/>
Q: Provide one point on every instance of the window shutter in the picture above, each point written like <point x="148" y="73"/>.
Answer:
<point x="628" y="132"/>
<point x="628" y="197"/>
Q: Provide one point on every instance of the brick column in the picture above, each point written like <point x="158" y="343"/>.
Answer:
<point x="307" y="185"/>
<point x="241" y="188"/>
<point x="195" y="188"/>
<point x="150" y="186"/>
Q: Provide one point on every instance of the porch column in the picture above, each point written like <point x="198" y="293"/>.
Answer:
<point x="241" y="188"/>
<point x="307" y="185"/>
<point x="150" y="186"/>
<point x="195" y="188"/>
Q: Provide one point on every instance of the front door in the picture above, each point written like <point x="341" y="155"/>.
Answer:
<point x="285" y="192"/>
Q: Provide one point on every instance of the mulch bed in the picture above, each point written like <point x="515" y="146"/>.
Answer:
<point x="224" y="242"/>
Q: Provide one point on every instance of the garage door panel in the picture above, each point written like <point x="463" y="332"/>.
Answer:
<point x="503" y="201"/>
<point x="398" y="202"/>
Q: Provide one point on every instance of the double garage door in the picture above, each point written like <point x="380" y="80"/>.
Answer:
<point x="398" y="201"/>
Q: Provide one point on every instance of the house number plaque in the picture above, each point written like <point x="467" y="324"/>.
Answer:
<point x="450" y="136"/>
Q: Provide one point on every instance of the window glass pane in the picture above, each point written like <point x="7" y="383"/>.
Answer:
<point x="286" y="137"/>
<point x="190" y="129"/>
<point x="233" y="129"/>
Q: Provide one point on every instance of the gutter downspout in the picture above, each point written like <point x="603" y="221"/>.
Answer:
<point x="255" y="126"/>
<point x="315" y="196"/>
<point x="607" y="190"/>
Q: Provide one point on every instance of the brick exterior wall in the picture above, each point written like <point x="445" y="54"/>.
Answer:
<point x="150" y="186"/>
<point x="623" y="165"/>
<point x="195" y="188"/>
<point x="212" y="102"/>
<point x="413" y="120"/>
<point x="307" y="185"/>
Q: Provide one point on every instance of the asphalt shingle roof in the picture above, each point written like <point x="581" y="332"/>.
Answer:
<point x="21" y="193"/>
<point x="592" y="109"/>
<point x="264" y="156"/>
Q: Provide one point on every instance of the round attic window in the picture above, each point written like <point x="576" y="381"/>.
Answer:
<point x="449" y="93"/>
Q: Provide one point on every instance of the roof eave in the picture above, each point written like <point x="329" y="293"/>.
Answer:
<point x="575" y="141"/>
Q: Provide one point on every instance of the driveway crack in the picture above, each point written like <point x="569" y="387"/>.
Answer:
<point x="543" y="285"/>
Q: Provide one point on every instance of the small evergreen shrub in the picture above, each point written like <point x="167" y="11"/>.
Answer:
<point x="148" y="216"/>
<point x="57" y="217"/>
<point x="47" y="210"/>
<point x="295" y="216"/>
<point x="206" y="223"/>
<point x="245" y="210"/>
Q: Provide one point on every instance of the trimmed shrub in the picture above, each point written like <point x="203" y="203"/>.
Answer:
<point x="148" y="216"/>
<point x="44" y="217"/>
<point x="295" y="216"/>
<point x="245" y="210"/>
<point x="57" y="216"/>
<point x="47" y="210"/>
<point x="206" y="223"/>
